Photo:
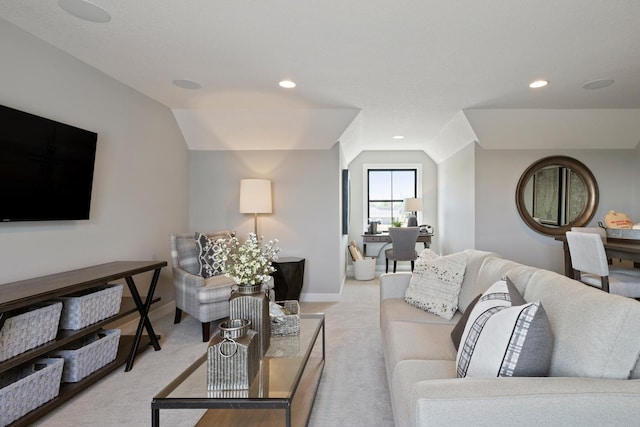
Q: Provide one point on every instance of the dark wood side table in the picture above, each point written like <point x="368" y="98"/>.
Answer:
<point x="288" y="278"/>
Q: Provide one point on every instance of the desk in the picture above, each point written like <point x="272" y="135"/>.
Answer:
<point x="425" y="238"/>
<point x="615" y="248"/>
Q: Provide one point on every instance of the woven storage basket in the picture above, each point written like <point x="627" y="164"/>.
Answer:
<point x="289" y="324"/>
<point x="88" y="354"/>
<point x="29" y="329"/>
<point x="25" y="387"/>
<point x="88" y="307"/>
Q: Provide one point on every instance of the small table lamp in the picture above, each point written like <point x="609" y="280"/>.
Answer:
<point x="255" y="198"/>
<point x="413" y="205"/>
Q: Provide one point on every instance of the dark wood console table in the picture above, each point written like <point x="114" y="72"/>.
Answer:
<point x="17" y="295"/>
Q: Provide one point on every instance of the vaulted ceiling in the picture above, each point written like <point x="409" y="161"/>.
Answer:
<point x="441" y="73"/>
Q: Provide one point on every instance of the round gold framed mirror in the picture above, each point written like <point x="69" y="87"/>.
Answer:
<point x="557" y="193"/>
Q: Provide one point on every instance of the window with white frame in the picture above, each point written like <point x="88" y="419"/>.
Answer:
<point x="386" y="190"/>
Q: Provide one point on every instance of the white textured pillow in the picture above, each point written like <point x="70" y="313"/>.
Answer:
<point x="500" y="340"/>
<point x="435" y="284"/>
<point x="427" y="255"/>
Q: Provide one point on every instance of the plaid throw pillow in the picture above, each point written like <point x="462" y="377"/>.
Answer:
<point x="501" y="340"/>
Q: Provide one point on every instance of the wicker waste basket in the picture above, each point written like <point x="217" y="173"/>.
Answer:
<point x="364" y="269"/>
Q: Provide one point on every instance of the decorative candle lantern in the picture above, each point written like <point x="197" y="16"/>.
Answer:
<point x="250" y="302"/>
<point x="233" y="357"/>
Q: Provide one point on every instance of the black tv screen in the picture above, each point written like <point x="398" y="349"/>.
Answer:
<point x="46" y="168"/>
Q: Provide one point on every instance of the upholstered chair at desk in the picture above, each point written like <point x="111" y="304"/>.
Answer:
<point x="204" y="299"/>
<point x="403" y="240"/>
<point x="589" y="260"/>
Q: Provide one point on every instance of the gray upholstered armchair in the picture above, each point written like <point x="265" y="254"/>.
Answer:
<point x="205" y="299"/>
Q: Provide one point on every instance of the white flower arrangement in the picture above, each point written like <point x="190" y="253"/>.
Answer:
<point x="247" y="263"/>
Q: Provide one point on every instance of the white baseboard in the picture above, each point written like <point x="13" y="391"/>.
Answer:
<point x="307" y="297"/>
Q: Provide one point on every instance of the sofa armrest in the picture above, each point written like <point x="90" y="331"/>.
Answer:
<point x="393" y="285"/>
<point x="554" y="401"/>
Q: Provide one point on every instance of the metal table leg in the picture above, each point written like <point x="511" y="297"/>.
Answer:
<point x="144" y="322"/>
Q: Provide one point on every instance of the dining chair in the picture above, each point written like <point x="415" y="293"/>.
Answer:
<point x="603" y="235"/>
<point x="595" y="230"/>
<point x="589" y="261"/>
<point x="403" y="240"/>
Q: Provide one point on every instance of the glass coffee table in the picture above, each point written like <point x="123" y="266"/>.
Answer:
<point x="281" y="394"/>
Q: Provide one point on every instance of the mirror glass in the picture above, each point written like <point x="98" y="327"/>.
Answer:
<point x="555" y="194"/>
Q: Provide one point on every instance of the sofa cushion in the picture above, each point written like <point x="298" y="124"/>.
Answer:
<point x="595" y="333"/>
<point x="468" y="292"/>
<point x="208" y="248"/>
<point x="435" y="284"/>
<point x="407" y="374"/>
<point x="393" y="309"/>
<point x="504" y="340"/>
<point x="494" y="269"/>
<point x="416" y="341"/>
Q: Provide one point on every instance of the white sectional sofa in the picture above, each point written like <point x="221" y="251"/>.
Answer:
<point x="594" y="363"/>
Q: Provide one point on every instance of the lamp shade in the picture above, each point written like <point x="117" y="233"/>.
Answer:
<point x="255" y="196"/>
<point x="413" y="205"/>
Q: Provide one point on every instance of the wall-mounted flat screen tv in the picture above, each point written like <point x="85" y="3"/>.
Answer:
<point x="46" y="168"/>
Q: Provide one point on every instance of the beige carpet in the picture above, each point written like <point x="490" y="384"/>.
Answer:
<point x="353" y="389"/>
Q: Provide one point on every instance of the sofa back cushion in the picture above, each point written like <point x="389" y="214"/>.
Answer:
<point x="468" y="290"/>
<point x="490" y="269"/>
<point x="595" y="333"/>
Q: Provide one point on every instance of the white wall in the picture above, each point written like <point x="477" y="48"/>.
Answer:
<point x="359" y="192"/>
<point x="139" y="193"/>
<point x="306" y="206"/>
<point x="636" y="195"/>
<point x="498" y="225"/>
<point x="457" y="201"/>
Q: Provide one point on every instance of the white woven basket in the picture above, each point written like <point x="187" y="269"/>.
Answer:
<point x="24" y="388"/>
<point x="86" y="308"/>
<point x="289" y="324"/>
<point x="88" y="354"/>
<point x="29" y="329"/>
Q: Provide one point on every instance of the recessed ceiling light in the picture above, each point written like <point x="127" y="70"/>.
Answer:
<point x="398" y="137"/>
<point x="287" y="84"/>
<point x="187" y="84"/>
<point x="85" y="10"/>
<point x="597" y="84"/>
<point x="538" y="84"/>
